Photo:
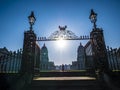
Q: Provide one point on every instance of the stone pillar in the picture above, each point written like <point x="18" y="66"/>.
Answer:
<point x="99" y="50"/>
<point x="27" y="64"/>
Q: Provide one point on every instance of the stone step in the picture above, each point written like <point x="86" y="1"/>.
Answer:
<point x="65" y="83"/>
<point x="66" y="88"/>
<point x="55" y="81"/>
<point x="63" y="74"/>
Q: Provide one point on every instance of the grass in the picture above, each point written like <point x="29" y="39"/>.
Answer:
<point x="115" y="70"/>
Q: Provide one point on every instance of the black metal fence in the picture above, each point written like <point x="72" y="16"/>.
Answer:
<point x="113" y="58"/>
<point x="11" y="62"/>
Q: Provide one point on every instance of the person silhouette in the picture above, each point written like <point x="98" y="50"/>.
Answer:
<point x="63" y="67"/>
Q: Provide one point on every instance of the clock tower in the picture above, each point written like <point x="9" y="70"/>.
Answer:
<point x="44" y="60"/>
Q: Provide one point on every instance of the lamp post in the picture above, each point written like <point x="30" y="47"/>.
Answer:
<point x="93" y="18"/>
<point x="32" y="20"/>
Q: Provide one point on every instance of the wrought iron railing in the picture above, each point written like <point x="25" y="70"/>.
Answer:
<point x="11" y="62"/>
<point x="113" y="58"/>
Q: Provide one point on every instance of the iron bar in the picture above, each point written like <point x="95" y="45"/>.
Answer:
<point x="63" y="39"/>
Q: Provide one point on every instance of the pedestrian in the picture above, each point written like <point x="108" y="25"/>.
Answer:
<point x="63" y="67"/>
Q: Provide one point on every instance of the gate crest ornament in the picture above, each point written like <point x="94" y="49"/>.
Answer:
<point x="62" y="33"/>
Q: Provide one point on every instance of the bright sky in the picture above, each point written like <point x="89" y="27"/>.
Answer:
<point x="52" y="13"/>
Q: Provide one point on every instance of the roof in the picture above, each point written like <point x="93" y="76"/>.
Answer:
<point x="4" y="50"/>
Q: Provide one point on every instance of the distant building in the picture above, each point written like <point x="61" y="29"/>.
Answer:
<point x="81" y="57"/>
<point x="58" y="67"/>
<point x="74" y="65"/>
<point x="89" y="63"/>
<point x="80" y="63"/>
<point x="3" y="52"/>
<point x="67" y="67"/>
<point x="44" y="60"/>
<point x="51" y="66"/>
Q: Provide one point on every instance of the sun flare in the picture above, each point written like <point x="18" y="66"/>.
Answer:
<point x="61" y="43"/>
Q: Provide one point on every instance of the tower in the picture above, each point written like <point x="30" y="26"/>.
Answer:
<point x="44" y="61"/>
<point x="81" y="57"/>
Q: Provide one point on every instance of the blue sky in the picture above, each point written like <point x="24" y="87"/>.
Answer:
<point x="52" y="13"/>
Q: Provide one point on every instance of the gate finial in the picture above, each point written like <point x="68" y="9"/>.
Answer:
<point x="62" y="27"/>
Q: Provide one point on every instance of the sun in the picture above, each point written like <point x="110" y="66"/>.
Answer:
<point x="61" y="43"/>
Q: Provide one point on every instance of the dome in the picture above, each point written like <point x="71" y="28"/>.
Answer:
<point x="80" y="48"/>
<point x="44" y="48"/>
